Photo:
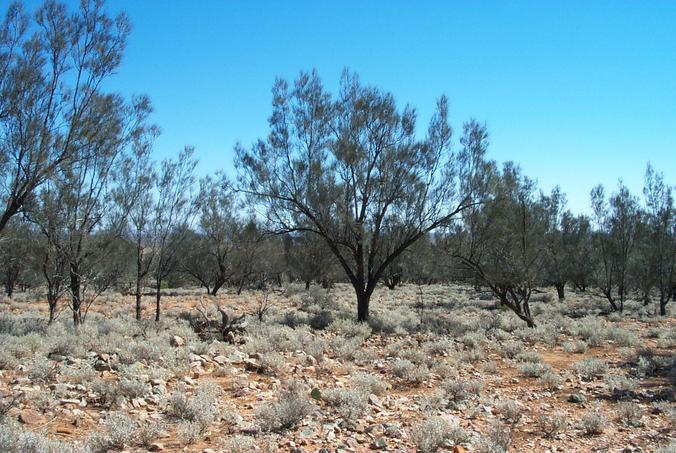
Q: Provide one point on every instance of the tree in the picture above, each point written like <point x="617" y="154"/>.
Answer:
<point x="172" y="215"/>
<point x="502" y="241"/>
<point x="139" y="229"/>
<point x="83" y="207"/>
<point x="308" y="258"/>
<point x="52" y="69"/>
<point x="351" y="171"/>
<point x="561" y="240"/>
<point x="248" y="267"/>
<point x="17" y="251"/>
<point x="582" y="257"/>
<point x="207" y="256"/>
<point x="658" y="242"/>
<point x="617" y="221"/>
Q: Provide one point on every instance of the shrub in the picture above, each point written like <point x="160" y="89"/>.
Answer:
<point x="41" y="369"/>
<point x="350" y="328"/>
<point x="350" y="404"/>
<point x="490" y="367"/>
<point x="591" y="368"/>
<point x="433" y="433"/>
<point x="132" y="388"/>
<point x="106" y="391"/>
<point x="530" y="369"/>
<point x="189" y="432"/>
<point x="290" y="409"/>
<point x="407" y="371"/>
<point x="14" y="439"/>
<point x="457" y="391"/>
<point x="498" y="439"/>
<point x="120" y="431"/>
<point x="593" y="423"/>
<point x="200" y="408"/>
<point x="620" y="383"/>
<point x="239" y="444"/>
<point x="621" y="337"/>
<point x="271" y="363"/>
<point x="510" y="411"/>
<point x="369" y="383"/>
<point x="149" y="433"/>
<point x="629" y="414"/>
<point x="552" y="425"/>
<point x="7" y="360"/>
<point x="528" y="357"/>
<point x="576" y="347"/>
<point x="646" y="365"/>
<point x="550" y="380"/>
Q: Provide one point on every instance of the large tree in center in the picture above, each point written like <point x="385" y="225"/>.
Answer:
<point x="351" y="170"/>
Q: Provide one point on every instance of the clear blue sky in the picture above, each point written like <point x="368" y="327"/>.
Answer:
<point x="578" y="93"/>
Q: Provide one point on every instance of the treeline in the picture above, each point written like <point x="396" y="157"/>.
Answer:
<point x="341" y="189"/>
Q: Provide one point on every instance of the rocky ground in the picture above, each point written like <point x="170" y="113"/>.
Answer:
<point x="438" y="368"/>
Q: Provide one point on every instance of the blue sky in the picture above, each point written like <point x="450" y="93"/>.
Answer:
<point x="579" y="93"/>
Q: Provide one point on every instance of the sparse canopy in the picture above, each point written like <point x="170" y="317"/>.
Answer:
<point x="52" y="67"/>
<point x="350" y="169"/>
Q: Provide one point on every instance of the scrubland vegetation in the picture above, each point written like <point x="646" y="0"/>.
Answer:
<point x="356" y="286"/>
<point x="461" y="372"/>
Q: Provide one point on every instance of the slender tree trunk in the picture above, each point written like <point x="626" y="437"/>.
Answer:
<point x="157" y="299"/>
<point x="663" y="305"/>
<point x="139" y="276"/>
<point x="138" y="301"/>
<point x="75" y="294"/>
<point x="307" y="285"/>
<point x="561" y="290"/>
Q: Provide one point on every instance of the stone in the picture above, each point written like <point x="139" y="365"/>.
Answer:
<point x="375" y="400"/>
<point x="32" y="417"/>
<point x="221" y="359"/>
<point x="459" y="449"/>
<point x="176" y="341"/>
<point x="156" y="446"/>
<point x="576" y="398"/>
<point x="379" y="444"/>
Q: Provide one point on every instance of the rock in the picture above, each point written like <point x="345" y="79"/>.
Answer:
<point x="31" y="417"/>
<point x="576" y="398"/>
<point x="64" y="430"/>
<point x="251" y="365"/>
<point x="176" y="341"/>
<point x="459" y="449"/>
<point x="221" y="359"/>
<point x="375" y="400"/>
<point x="209" y="450"/>
<point x="156" y="446"/>
<point x="379" y="444"/>
<point x="249" y="429"/>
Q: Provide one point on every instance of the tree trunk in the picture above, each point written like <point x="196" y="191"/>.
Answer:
<point x="139" y="276"/>
<point x="75" y="294"/>
<point x="51" y="300"/>
<point x="9" y="288"/>
<point x="138" y="302"/>
<point x="363" y="299"/>
<point x="663" y="306"/>
<point x="157" y="299"/>
<point x="561" y="290"/>
<point x="307" y="285"/>
<point x="217" y="285"/>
